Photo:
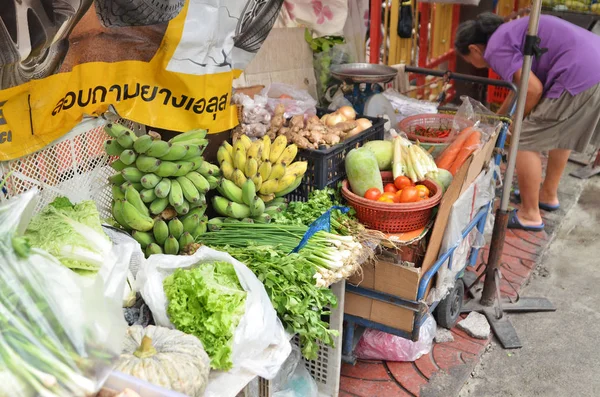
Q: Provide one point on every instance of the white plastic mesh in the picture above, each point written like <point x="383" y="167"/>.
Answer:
<point x="74" y="166"/>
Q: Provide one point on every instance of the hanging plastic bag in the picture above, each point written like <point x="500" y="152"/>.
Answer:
<point x="378" y="345"/>
<point x="478" y="114"/>
<point x="260" y="344"/>
<point x="294" y="380"/>
<point x="405" y="22"/>
<point x="58" y="337"/>
<point x="338" y="54"/>
<point x="296" y="101"/>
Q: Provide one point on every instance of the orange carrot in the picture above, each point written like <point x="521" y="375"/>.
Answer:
<point x="448" y="156"/>
<point x="469" y="146"/>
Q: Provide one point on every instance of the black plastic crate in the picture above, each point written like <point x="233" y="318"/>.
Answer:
<point x="326" y="167"/>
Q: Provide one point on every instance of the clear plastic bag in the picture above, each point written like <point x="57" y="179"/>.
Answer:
<point x="378" y="345"/>
<point x="296" y="101"/>
<point x="323" y="61"/>
<point x="475" y="111"/>
<point x="260" y="344"/>
<point x="295" y="380"/>
<point x="58" y="337"/>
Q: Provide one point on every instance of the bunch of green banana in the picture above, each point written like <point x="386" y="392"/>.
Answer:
<point x="157" y="181"/>
<point x="268" y="165"/>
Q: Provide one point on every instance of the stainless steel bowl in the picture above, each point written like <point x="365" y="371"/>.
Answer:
<point x="352" y="73"/>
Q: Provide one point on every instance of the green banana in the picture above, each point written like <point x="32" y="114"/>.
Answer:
<point x="148" y="195"/>
<point x="175" y="227"/>
<point x="220" y="205"/>
<point x="133" y="196"/>
<point x="186" y="136"/>
<point x="185" y="240"/>
<point x="176" y="152"/>
<point x="163" y="188"/>
<point x="112" y="148"/>
<point x="214" y="224"/>
<point x="132" y="174"/>
<point x="198" y="181"/>
<point x="117" y="212"/>
<point x="158" y="149"/>
<point x="118" y="165"/>
<point x="248" y="192"/>
<point x="135" y="219"/>
<point x="190" y="223"/>
<point x="280" y="201"/>
<point x="147" y="164"/>
<point x="142" y="144"/>
<point x="231" y="220"/>
<point x="128" y="157"/>
<point x="237" y="211"/>
<point x="190" y="192"/>
<point x="117" y="193"/>
<point x="231" y="191"/>
<point x="204" y="169"/>
<point x="153" y="249"/>
<point x="117" y="179"/>
<point x="196" y="162"/>
<point x="257" y="207"/>
<point x="115" y="129"/>
<point x="175" y="195"/>
<point x="185" y="167"/>
<point x="149" y="181"/>
<point x="200" y="230"/>
<point x="199" y="211"/>
<point x="167" y="168"/>
<point x="161" y="231"/>
<point x="171" y="246"/>
<point x="182" y="209"/>
<point x="247" y="220"/>
<point x="158" y="205"/>
<point x="213" y="181"/>
<point x="201" y="202"/>
<point x="263" y="218"/>
<point x="193" y="152"/>
<point x="144" y="238"/>
<point x="126" y="139"/>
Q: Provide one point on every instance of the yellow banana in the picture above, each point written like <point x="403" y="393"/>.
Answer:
<point x="267" y="197"/>
<point x="277" y="148"/>
<point x="247" y="142"/>
<point x="269" y="187"/>
<point x="266" y="148"/>
<point x="265" y="170"/>
<point x="257" y="179"/>
<point x="238" y="177"/>
<point x="239" y="159"/>
<point x="288" y="155"/>
<point x="251" y="167"/>
<point x="228" y="147"/>
<point x="285" y="182"/>
<point x="255" y="150"/>
<point x="277" y="172"/>
<point x="297" y="168"/>
<point x="223" y="155"/>
<point x="227" y="170"/>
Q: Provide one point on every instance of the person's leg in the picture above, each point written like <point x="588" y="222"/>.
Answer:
<point x="557" y="161"/>
<point x="529" y="174"/>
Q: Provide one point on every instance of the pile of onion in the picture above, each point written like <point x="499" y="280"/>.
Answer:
<point x="343" y="114"/>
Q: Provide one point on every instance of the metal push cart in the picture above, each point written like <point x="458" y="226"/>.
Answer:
<point x="447" y="310"/>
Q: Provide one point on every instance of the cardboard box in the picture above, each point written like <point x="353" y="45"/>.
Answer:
<point x="403" y="281"/>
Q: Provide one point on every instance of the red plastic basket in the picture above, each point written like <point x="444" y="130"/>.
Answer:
<point x="389" y="217"/>
<point x="496" y="95"/>
<point x="409" y="124"/>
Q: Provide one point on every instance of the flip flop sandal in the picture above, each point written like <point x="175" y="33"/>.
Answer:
<point x="515" y="223"/>
<point x="543" y="206"/>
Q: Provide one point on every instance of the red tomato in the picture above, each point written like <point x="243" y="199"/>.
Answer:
<point x="409" y="194"/>
<point x="390" y="188"/>
<point x="373" y="194"/>
<point x="401" y="182"/>
<point x="423" y="191"/>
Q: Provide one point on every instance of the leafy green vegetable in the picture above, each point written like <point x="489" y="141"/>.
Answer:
<point x="289" y="282"/>
<point x="208" y="302"/>
<point x="71" y="233"/>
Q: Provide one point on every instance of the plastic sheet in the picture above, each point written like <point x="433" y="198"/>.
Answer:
<point x="58" y="337"/>
<point x="378" y="345"/>
<point x="260" y="344"/>
<point x="296" y="101"/>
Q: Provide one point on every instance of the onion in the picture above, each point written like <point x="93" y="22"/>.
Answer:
<point x="361" y="125"/>
<point x="324" y="118"/>
<point x="334" y="118"/>
<point x="348" y="112"/>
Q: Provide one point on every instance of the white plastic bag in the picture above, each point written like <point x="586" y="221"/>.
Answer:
<point x="296" y="381"/>
<point x="71" y="333"/>
<point x="300" y="103"/>
<point x="378" y="345"/>
<point x="260" y="344"/>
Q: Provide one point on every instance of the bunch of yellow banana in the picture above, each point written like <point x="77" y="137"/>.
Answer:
<point x="268" y="164"/>
<point x="157" y="182"/>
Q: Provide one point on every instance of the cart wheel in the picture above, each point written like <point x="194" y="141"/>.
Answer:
<point x="449" y="308"/>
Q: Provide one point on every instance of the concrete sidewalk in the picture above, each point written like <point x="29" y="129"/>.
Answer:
<point x="561" y="356"/>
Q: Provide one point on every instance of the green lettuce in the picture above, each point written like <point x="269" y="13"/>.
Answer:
<point x="72" y="233"/>
<point x="208" y="302"/>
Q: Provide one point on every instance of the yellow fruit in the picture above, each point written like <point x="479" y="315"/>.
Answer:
<point x="277" y="148"/>
<point x="266" y="148"/>
<point x="288" y="155"/>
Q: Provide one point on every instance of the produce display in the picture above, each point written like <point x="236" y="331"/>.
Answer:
<point x="465" y="143"/>
<point x="431" y="132"/>
<point x="72" y="233"/>
<point x="208" y="302"/>
<point x="313" y="132"/>
<point x="255" y="174"/>
<point x="167" y="358"/>
<point x="159" y="189"/>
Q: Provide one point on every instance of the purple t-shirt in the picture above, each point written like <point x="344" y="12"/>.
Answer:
<point x="571" y="64"/>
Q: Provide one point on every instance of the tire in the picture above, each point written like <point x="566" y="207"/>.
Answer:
<point x="121" y="13"/>
<point x="256" y="21"/>
<point x="47" y="64"/>
<point x="448" y="310"/>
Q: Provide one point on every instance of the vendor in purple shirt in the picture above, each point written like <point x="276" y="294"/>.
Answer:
<point x="562" y="112"/>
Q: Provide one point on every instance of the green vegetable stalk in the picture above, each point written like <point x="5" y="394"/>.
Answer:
<point x="208" y="302"/>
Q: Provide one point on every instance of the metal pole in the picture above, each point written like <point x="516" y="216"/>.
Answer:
<point x="502" y="215"/>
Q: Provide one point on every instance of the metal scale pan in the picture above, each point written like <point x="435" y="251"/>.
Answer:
<point x="357" y="73"/>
